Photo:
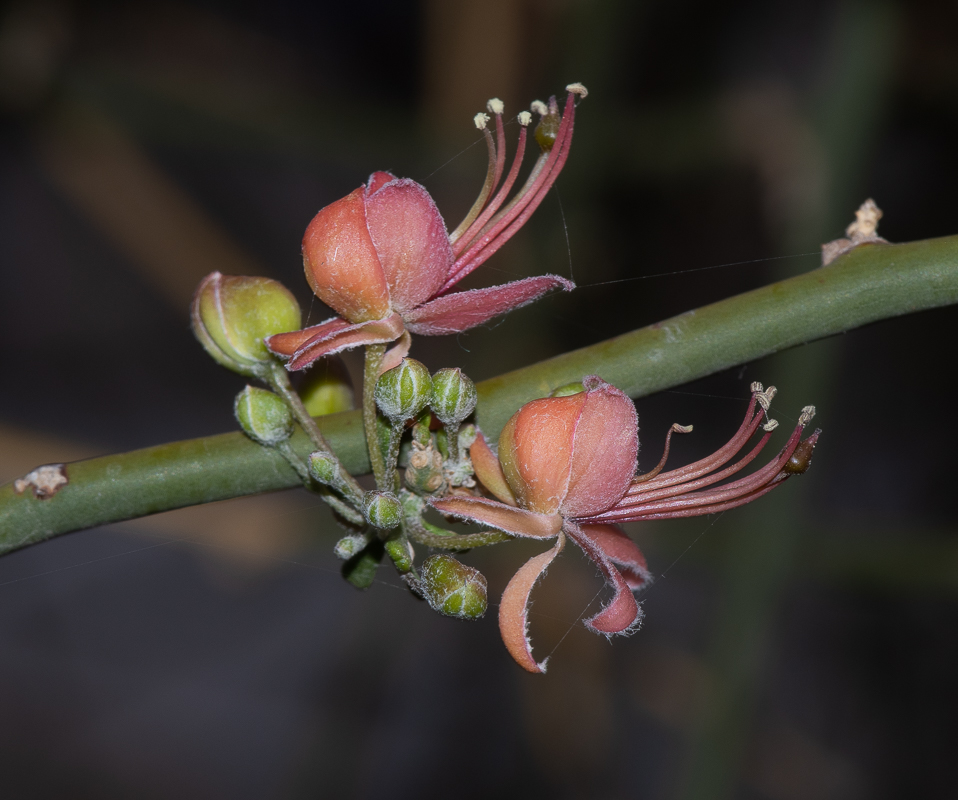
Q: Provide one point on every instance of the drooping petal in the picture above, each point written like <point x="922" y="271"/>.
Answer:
<point x="488" y="470"/>
<point x="621" y="551"/>
<point x="622" y="614"/>
<point x="331" y="338"/>
<point x="286" y="344"/>
<point x="396" y="353"/>
<point x="535" y="450"/>
<point x="514" y="608"/>
<point x="516" y="521"/>
<point x="411" y="241"/>
<point x="454" y="313"/>
<point x="341" y="262"/>
<point x="604" y="450"/>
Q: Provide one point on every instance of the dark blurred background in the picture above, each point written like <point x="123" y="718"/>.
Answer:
<point x="803" y="647"/>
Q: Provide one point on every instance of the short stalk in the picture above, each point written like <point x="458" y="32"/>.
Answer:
<point x="430" y="535"/>
<point x="452" y="442"/>
<point x="396" y="430"/>
<point x="374" y="362"/>
<point x="334" y="501"/>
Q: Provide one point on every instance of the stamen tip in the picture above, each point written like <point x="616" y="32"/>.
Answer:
<point x="481" y="119"/>
<point x="495" y="106"/>
<point x="771" y="425"/>
<point x="579" y="89"/>
<point x="540" y="108"/>
<point x="524" y="118"/>
<point x="682" y="428"/>
<point x="756" y="387"/>
<point x="806" y="416"/>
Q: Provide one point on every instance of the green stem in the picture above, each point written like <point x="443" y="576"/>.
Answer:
<point x="374" y="362"/>
<point x="332" y="499"/>
<point x="870" y="283"/>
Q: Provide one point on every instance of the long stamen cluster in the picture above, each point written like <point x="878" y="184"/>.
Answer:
<point x="678" y="492"/>
<point x="489" y="224"/>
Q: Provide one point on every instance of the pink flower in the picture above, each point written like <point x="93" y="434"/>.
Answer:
<point x="566" y="469"/>
<point x="382" y="260"/>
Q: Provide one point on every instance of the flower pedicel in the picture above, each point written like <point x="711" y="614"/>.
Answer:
<point x="382" y="260"/>
<point x="566" y="468"/>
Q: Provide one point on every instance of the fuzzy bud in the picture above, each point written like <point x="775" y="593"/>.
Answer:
<point x="452" y="588"/>
<point x="402" y="392"/>
<point x="453" y="396"/>
<point x="382" y="509"/>
<point x="323" y="467"/>
<point x="231" y="315"/>
<point x="350" y="546"/>
<point x="263" y="416"/>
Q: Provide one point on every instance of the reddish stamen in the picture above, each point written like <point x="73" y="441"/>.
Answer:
<point x="676" y="428"/>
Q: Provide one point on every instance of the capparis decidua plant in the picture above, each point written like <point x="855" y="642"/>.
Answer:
<point x="566" y="467"/>
<point x="548" y="452"/>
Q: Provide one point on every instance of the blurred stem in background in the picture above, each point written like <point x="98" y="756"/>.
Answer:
<point x="762" y="544"/>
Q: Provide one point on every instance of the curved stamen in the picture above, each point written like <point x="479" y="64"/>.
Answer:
<point x="676" y="428"/>
<point x="505" y="224"/>
<point x="487" y="186"/>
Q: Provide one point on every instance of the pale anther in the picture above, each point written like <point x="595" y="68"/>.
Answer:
<point x="481" y="119"/>
<point x="681" y="428"/>
<point x="524" y="118"/>
<point x="540" y="108"/>
<point x="579" y="89"/>
<point x="806" y="416"/>
<point x="496" y="106"/>
<point x="756" y="387"/>
<point x="771" y="425"/>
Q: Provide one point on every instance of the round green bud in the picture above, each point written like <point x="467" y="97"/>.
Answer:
<point x="327" y="388"/>
<point x="231" y="315"/>
<point x="452" y="588"/>
<point x="382" y="509"/>
<point x="575" y="387"/>
<point x="402" y="392"/>
<point x="453" y="396"/>
<point x="263" y="416"/>
<point x="323" y="467"/>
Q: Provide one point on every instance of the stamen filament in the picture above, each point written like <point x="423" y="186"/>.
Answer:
<point x="487" y="187"/>
<point x="676" y="428"/>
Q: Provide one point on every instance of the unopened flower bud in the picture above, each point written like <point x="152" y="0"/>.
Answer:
<point x="453" y="396"/>
<point x="452" y="588"/>
<point x="349" y="546"/>
<point x="231" y="315"/>
<point x="402" y="392"/>
<point x="323" y="467"/>
<point x="327" y="388"/>
<point x="382" y="509"/>
<point x="401" y="553"/>
<point x="263" y="416"/>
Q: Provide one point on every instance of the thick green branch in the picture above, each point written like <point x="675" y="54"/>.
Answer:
<point x="871" y="283"/>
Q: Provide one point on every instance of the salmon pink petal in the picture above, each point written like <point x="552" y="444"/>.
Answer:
<point x="286" y="344"/>
<point x="516" y="521"/>
<point x="622" y="614"/>
<point x="621" y="551"/>
<point x="454" y="313"/>
<point x="411" y="241"/>
<point x="604" y="451"/>
<point x="514" y="608"/>
<point x="489" y="471"/>
<point x="377" y="331"/>
<point x="377" y="180"/>
<point x="341" y="262"/>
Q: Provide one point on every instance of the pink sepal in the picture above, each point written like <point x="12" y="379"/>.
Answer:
<point x="396" y="353"/>
<point x="489" y="470"/>
<point x="514" y="608"/>
<point x="516" y="521"/>
<point x="621" y="551"/>
<point x="457" y="312"/>
<point x="330" y="337"/>
<point x="622" y="614"/>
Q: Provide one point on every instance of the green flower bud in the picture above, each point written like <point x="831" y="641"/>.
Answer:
<point x="402" y="392"/>
<point x="349" y="546"/>
<point x="568" y="389"/>
<point x="323" y="468"/>
<point x="327" y="388"/>
<point x="453" y="396"/>
<point x="382" y="509"/>
<point x="231" y="316"/>
<point x="401" y="553"/>
<point x="452" y="588"/>
<point x="263" y="416"/>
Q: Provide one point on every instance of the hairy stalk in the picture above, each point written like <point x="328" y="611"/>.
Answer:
<point x="422" y="532"/>
<point x="374" y="362"/>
